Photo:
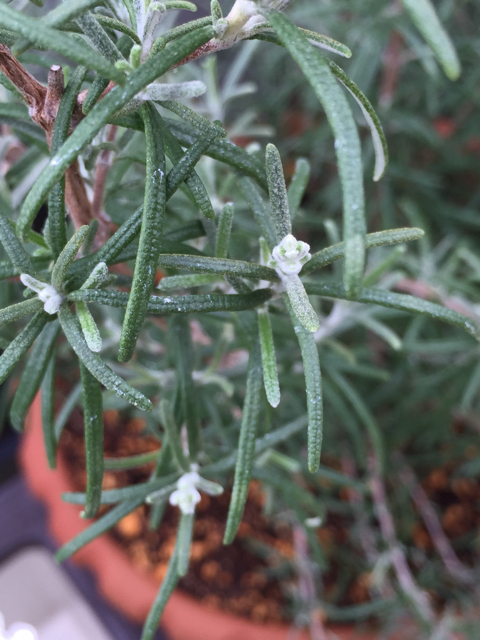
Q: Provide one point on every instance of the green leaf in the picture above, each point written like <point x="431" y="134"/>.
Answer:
<point x="301" y="306"/>
<point x="99" y="37"/>
<point x="246" y="444"/>
<point x="382" y="331"/>
<point x="401" y="302"/>
<point x="363" y="413"/>
<point x="97" y="277"/>
<point x="20" y="310"/>
<point x="185" y="282"/>
<point x="97" y="87"/>
<point x="33" y="374"/>
<point x="95" y="364"/>
<point x="93" y="422"/>
<point x="224" y="230"/>
<point x="223" y="151"/>
<point x="48" y="413"/>
<point x="185" y="535"/>
<point x="221" y="266"/>
<point x="313" y="384"/>
<point x="66" y="410"/>
<point x="277" y="192"/>
<point x="194" y="185"/>
<point x="181" y="30"/>
<point x="150" y="235"/>
<point x="131" y="462"/>
<point x="65" y="12"/>
<point x="89" y="327"/>
<point x="179" y="330"/>
<point x="384" y="266"/>
<point x="327" y="43"/>
<point x="200" y="124"/>
<point x="87" y="244"/>
<point x="189" y="231"/>
<point x="103" y="524"/>
<point x="298" y="184"/>
<point x="8" y="84"/>
<point x="423" y="15"/>
<point x="141" y="491"/>
<point x="67" y="256"/>
<point x="183" y="168"/>
<point x="84" y="133"/>
<point x="14" y="249"/>
<point x="269" y="363"/>
<point x="262" y="217"/>
<point x="174" y="436"/>
<point x="116" y="25"/>
<point x="166" y="589"/>
<point x="21" y="344"/>
<point x="28" y="131"/>
<point x="373" y="121"/>
<point x="56" y="198"/>
<point x="378" y="239"/>
<point x="40" y="33"/>
<point x="323" y="42"/>
<point x="202" y="303"/>
<point x="347" y="144"/>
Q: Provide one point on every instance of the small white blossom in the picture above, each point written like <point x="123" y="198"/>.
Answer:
<point x="289" y="256"/>
<point x="186" y="496"/>
<point x="50" y="297"/>
<point x="17" y="631"/>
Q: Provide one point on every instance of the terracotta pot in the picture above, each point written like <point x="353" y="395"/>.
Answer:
<point x="131" y="591"/>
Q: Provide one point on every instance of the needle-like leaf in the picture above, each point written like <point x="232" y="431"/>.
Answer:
<point x="426" y="20"/>
<point x="201" y="303"/>
<point x="246" y="444"/>
<point x="21" y="344"/>
<point x="150" y="235"/>
<point x="93" y="421"/>
<point x="33" y="374"/>
<point x="269" y="364"/>
<point x="277" y="192"/>
<point x="347" y="144"/>
<point x="313" y="384"/>
<point x="95" y="364"/>
<point x="401" y="302"/>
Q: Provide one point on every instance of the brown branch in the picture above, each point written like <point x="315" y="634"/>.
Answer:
<point x="366" y="534"/>
<point x="392" y="64"/>
<point x="43" y="108"/>
<point x="33" y="92"/>
<point x="55" y="89"/>
<point x="76" y="198"/>
<point x="104" y="162"/>
<point x="425" y="291"/>
<point x="419" y="598"/>
<point x="306" y="583"/>
<point x="450" y="559"/>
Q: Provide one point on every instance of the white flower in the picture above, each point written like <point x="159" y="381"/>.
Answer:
<point x="186" y="496"/>
<point x="51" y="298"/>
<point x="17" y="631"/>
<point x="289" y="256"/>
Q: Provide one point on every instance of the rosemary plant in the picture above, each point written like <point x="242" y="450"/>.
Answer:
<point x="133" y="159"/>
